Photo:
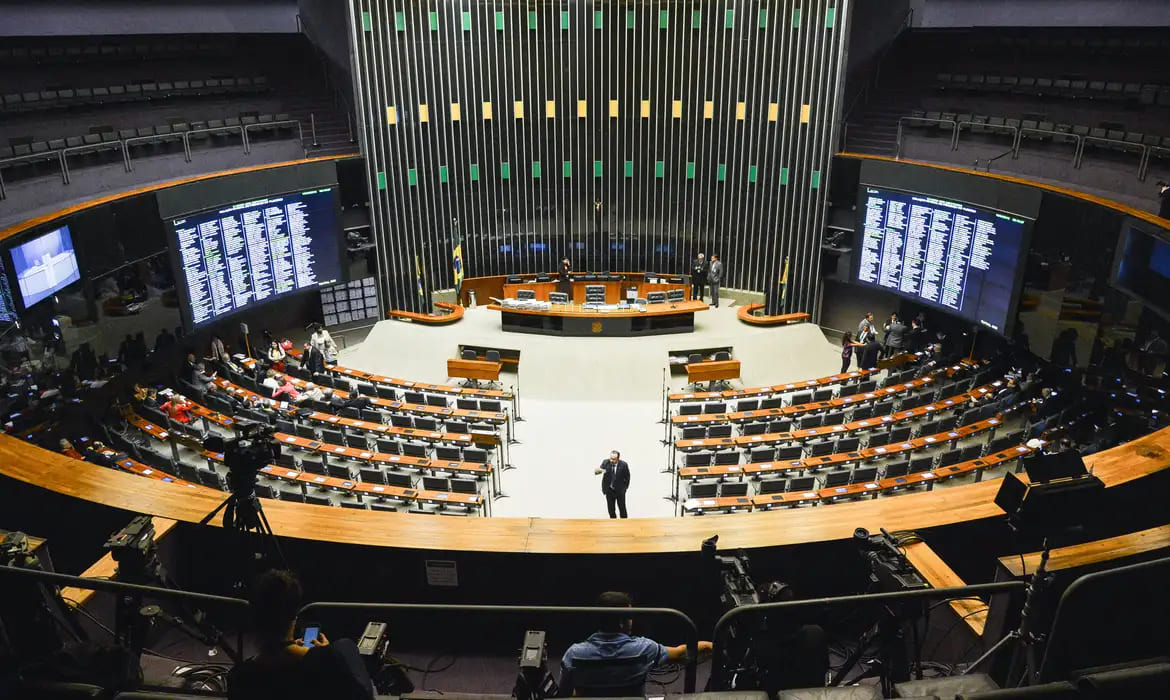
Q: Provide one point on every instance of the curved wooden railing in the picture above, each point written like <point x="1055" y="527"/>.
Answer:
<point x="451" y="314"/>
<point x="914" y="511"/>
<point x="747" y="314"/>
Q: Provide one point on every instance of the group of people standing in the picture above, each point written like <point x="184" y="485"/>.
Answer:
<point x="896" y="338"/>
<point x="704" y="274"/>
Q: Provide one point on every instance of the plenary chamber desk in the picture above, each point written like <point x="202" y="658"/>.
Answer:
<point x="574" y="320"/>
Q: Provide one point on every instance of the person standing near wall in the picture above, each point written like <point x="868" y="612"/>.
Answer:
<point x="698" y="277"/>
<point x="714" y="277"/>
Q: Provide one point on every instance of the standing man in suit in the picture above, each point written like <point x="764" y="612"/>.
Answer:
<point x="698" y="277"/>
<point x="564" y="283"/>
<point x="615" y="482"/>
<point x="895" y="335"/>
<point x="714" y="277"/>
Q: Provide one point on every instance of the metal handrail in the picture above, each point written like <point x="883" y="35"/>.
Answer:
<point x="257" y="125"/>
<point x="954" y="128"/>
<point x="869" y="598"/>
<point x="126" y="143"/>
<point x="692" y="631"/>
<point x="47" y="155"/>
<point x="64" y="155"/>
<point x="1077" y="138"/>
<point x="1015" y="131"/>
<point x="101" y="584"/>
<point x="216" y="130"/>
<point x="1101" y="139"/>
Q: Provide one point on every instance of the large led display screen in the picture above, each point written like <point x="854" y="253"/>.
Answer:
<point x="950" y="255"/>
<point x="252" y="252"/>
<point x="45" y="265"/>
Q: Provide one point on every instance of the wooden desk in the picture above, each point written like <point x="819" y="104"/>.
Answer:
<point x="569" y="320"/>
<point x="753" y="392"/>
<point x="1090" y="553"/>
<point x="719" y="504"/>
<point x="939" y="575"/>
<point x="474" y="369"/>
<point x="712" y="371"/>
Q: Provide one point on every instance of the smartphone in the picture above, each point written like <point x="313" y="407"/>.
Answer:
<point x="312" y="629"/>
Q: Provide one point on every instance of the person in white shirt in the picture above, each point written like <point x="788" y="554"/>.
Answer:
<point x="312" y="392"/>
<point x="270" y="381"/>
<point x="323" y="343"/>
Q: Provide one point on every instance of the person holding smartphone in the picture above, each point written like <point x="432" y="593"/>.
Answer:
<point x="615" y="482"/>
<point x="288" y="666"/>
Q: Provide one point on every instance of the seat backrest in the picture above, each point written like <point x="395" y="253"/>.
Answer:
<point x="705" y="490"/>
<point x="493" y="355"/>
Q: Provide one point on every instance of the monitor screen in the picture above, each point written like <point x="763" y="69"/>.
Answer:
<point x="1142" y="268"/>
<point x="45" y="265"/>
<point x="950" y="255"/>
<point x="248" y="253"/>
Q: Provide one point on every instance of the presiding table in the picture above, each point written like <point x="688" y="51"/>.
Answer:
<point x="573" y="320"/>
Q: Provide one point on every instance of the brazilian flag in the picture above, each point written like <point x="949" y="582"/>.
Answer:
<point x="418" y="277"/>
<point x="457" y="263"/>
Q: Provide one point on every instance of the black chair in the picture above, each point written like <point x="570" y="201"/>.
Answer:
<point x="690" y="409"/>
<point x="703" y="490"/>
<point x="747" y="405"/>
<point x="898" y="435"/>
<point x="432" y="483"/>
<point x="802" y="483"/>
<point x="449" y="454"/>
<point x="464" y="486"/>
<point x="863" y="475"/>
<point x="772" y="402"/>
<point x="764" y="454"/>
<point x="769" y="486"/>
<point x="399" y="420"/>
<point x="726" y="457"/>
<point x="733" y="488"/>
<point x="878" y="439"/>
<point x="800" y="397"/>
<point x="399" y="480"/>
<point x="414" y="449"/>
<point x="900" y="468"/>
<point x="385" y="392"/>
<point x="822" y="395"/>
<point x="697" y="459"/>
<point x="715" y="407"/>
<point x="847" y="445"/>
<point x="694" y="433"/>
<point x="921" y="464"/>
<point x="426" y="423"/>
<point x="788" y="453"/>
<point x="372" y="475"/>
<point x="820" y="449"/>
<point x="719" y="431"/>
<point x="753" y="428"/>
<point x="476" y="455"/>
<point x="313" y="465"/>
<point x="319" y="500"/>
<point x="835" y="479"/>
<point x="467" y="404"/>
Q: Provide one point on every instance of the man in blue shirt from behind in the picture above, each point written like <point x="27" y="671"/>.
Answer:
<point x="611" y="663"/>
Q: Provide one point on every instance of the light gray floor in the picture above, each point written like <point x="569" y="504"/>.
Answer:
<point x="582" y="397"/>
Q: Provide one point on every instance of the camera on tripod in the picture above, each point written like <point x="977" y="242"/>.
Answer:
<point x="248" y="452"/>
<point x="136" y="553"/>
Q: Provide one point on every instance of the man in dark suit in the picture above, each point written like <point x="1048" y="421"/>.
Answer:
<point x="615" y="482"/>
<point x="699" y="269"/>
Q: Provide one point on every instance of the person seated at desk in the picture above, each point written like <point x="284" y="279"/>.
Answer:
<point x="354" y="400"/>
<point x="69" y="450"/>
<point x="178" y="409"/>
<point x="201" y="379"/>
<point x="145" y="395"/>
<point x="312" y="392"/>
<point x="270" y="381"/>
<point x="285" y="388"/>
<point x="285" y="667"/>
<point x="611" y="663"/>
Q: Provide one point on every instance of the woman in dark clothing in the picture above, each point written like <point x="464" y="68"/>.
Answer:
<point x="564" y="284"/>
<point x="847" y="345"/>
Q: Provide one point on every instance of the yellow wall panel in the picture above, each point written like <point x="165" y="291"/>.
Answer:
<point x="805" y="113"/>
<point x="645" y="109"/>
<point x="550" y="109"/>
<point x="676" y="109"/>
<point x="456" y="112"/>
<point x="740" y="110"/>
<point x="487" y="110"/>
<point x="773" y="111"/>
<point x="424" y="113"/>
<point x="613" y="108"/>
<point x="708" y="109"/>
<point x="518" y="109"/>
<point x="391" y="115"/>
<point x="582" y="108"/>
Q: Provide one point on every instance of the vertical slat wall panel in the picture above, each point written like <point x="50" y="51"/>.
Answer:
<point x="484" y="120"/>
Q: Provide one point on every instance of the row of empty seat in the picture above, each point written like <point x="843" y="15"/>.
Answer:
<point x="1134" y="93"/>
<point x="1038" y="131"/>
<point x="143" y="91"/>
